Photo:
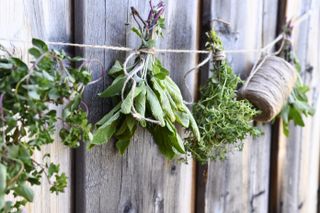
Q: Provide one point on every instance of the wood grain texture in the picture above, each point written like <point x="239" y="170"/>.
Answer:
<point x="49" y="20"/>
<point x="142" y="180"/>
<point x="239" y="184"/>
<point x="299" y="153"/>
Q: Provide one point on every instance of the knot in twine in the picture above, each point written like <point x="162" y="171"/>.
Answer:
<point x="269" y="86"/>
<point x="151" y="51"/>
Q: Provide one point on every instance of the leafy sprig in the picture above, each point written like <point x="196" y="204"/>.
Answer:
<point x="223" y="120"/>
<point x="30" y="101"/>
<point x="297" y="106"/>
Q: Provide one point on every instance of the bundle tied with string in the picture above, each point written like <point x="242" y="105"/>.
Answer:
<point x="269" y="86"/>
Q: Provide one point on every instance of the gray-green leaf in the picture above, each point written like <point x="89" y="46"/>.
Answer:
<point x="105" y="132"/>
<point x="115" y="88"/>
<point x="25" y="191"/>
<point x="155" y="106"/>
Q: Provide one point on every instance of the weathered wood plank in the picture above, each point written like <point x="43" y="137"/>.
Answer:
<point x="299" y="153"/>
<point x="50" y="20"/>
<point x="142" y="180"/>
<point x="240" y="184"/>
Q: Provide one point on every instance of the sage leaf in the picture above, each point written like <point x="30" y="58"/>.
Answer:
<point x="159" y="71"/>
<point x="155" y="106"/>
<point x="104" y="133"/>
<point x="116" y="69"/>
<point x="3" y="179"/>
<point x="174" y="138"/>
<point x="109" y="115"/>
<point x="115" y="88"/>
<point x="122" y="145"/>
<point x="182" y="118"/>
<point x="161" y="138"/>
<point x="165" y="103"/>
<point x="25" y="191"/>
<point x="128" y="101"/>
<point x="140" y="104"/>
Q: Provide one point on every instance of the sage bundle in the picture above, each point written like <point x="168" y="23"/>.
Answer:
<point x="146" y="95"/>
<point x="223" y="120"/>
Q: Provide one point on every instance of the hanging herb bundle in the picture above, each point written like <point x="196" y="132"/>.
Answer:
<point x="146" y="96"/>
<point x="29" y="102"/>
<point x="223" y="120"/>
<point x="298" y="103"/>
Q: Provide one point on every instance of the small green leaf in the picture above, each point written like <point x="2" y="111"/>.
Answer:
<point x="122" y="145"/>
<point x="296" y="116"/>
<point x="35" y="52"/>
<point x="115" y="69"/>
<point x="136" y="31"/>
<point x="53" y="168"/>
<point x="40" y="45"/>
<point x="159" y="71"/>
<point x="34" y="94"/>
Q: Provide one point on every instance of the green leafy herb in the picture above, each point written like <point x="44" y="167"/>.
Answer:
<point x="223" y="120"/>
<point x="31" y="97"/>
<point x="147" y="97"/>
<point x="298" y="104"/>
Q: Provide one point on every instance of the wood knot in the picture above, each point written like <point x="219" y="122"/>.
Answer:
<point x="128" y="208"/>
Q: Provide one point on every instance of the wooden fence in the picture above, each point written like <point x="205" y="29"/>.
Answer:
<point x="271" y="174"/>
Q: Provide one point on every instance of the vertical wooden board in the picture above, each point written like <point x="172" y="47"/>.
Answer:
<point x="142" y="180"/>
<point x="240" y="184"/>
<point x="299" y="159"/>
<point x="49" y="20"/>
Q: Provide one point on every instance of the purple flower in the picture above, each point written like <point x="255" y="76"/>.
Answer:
<point x="154" y="14"/>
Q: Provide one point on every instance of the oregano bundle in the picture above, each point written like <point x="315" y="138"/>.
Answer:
<point x="30" y="96"/>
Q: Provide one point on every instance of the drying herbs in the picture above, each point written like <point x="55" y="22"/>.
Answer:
<point x="146" y="96"/>
<point x="223" y="120"/>
<point x="298" y="104"/>
<point x="31" y="98"/>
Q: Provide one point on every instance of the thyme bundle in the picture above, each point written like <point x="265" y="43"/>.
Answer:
<point x="146" y="95"/>
<point x="222" y="119"/>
